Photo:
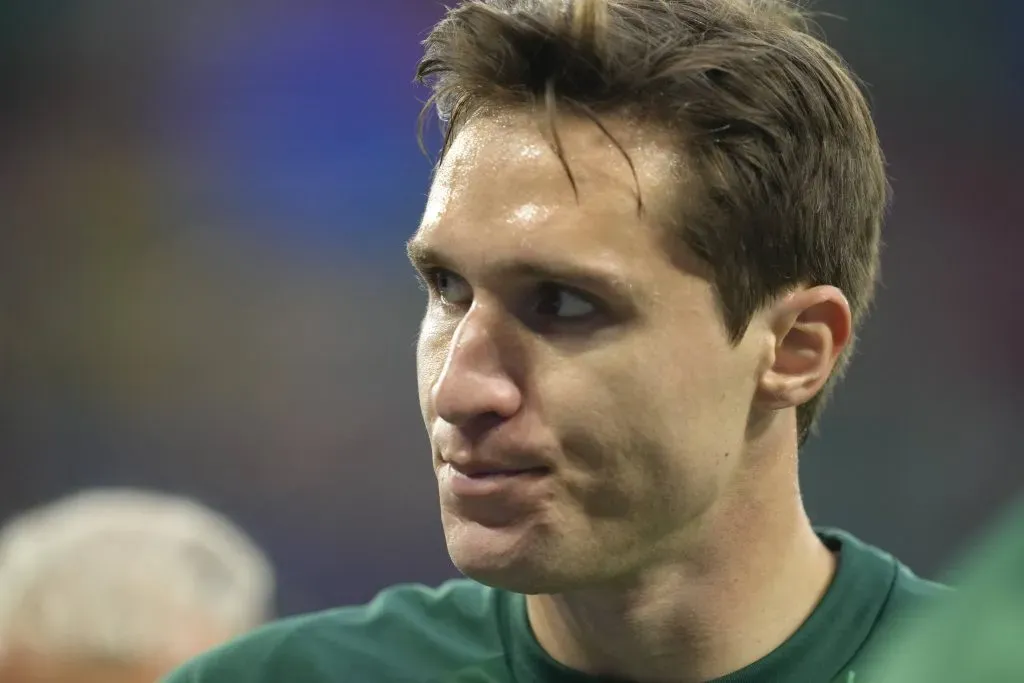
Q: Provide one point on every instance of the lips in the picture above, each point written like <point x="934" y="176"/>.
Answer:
<point x="475" y="470"/>
<point x="493" y="494"/>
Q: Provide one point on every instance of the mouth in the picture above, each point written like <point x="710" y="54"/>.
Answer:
<point x="498" y="484"/>
<point x="499" y="473"/>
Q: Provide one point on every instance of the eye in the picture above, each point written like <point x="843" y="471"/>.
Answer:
<point x="451" y="288"/>
<point x="555" y="301"/>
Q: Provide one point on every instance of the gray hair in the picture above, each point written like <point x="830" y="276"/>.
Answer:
<point x="126" y="575"/>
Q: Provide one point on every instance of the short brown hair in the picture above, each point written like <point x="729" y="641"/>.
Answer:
<point x="786" y="156"/>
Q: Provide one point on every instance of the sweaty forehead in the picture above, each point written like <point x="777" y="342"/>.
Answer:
<point x="504" y="169"/>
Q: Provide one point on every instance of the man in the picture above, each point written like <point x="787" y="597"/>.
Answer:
<point x="652" y="232"/>
<point x="977" y="635"/>
<point x="121" y="586"/>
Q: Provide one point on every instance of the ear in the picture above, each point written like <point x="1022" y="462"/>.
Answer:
<point x="811" y="327"/>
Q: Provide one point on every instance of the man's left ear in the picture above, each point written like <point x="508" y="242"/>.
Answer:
<point x="811" y="327"/>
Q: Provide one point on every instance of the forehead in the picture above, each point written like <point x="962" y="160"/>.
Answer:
<point x="502" y="188"/>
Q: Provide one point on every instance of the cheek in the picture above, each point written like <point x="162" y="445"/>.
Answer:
<point x="648" y="415"/>
<point x="431" y="352"/>
<point x="623" y="466"/>
<point x="605" y="408"/>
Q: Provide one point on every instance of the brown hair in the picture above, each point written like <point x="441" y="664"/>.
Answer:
<point x="786" y="157"/>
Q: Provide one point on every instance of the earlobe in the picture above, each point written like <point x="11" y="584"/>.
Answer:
<point x="811" y="328"/>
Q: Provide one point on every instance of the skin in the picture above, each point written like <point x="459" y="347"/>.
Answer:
<point x="663" y="538"/>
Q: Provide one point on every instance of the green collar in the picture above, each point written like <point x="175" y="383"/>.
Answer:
<point x="820" y="650"/>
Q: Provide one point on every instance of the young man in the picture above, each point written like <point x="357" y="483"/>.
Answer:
<point x="652" y="232"/>
<point x="121" y="586"/>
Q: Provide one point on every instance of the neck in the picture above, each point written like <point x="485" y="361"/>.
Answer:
<point x="740" y="586"/>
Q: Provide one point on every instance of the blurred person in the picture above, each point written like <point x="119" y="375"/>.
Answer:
<point x="976" y="636"/>
<point x="120" y="586"/>
<point x="652" y="232"/>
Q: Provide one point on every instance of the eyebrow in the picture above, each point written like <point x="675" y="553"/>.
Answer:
<point x="593" y="275"/>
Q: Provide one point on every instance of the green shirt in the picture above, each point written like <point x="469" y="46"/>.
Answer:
<point x="977" y="636"/>
<point x="464" y="632"/>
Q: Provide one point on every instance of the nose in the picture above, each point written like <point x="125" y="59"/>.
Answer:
<point x="474" y="382"/>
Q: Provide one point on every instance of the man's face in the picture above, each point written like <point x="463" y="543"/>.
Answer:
<point x="579" y="389"/>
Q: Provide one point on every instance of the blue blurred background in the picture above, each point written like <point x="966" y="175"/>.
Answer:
<point x="203" y="286"/>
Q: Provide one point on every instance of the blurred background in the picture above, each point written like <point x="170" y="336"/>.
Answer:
<point x="203" y="286"/>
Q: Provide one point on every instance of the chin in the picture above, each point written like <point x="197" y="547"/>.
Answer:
<point x="510" y="559"/>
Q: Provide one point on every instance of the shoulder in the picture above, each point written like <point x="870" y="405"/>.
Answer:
<point x="405" y="628"/>
<point x="886" y="594"/>
<point x="910" y="599"/>
<point x="910" y="590"/>
<point x="905" y="588"/>
<point x="887" y="591"/>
